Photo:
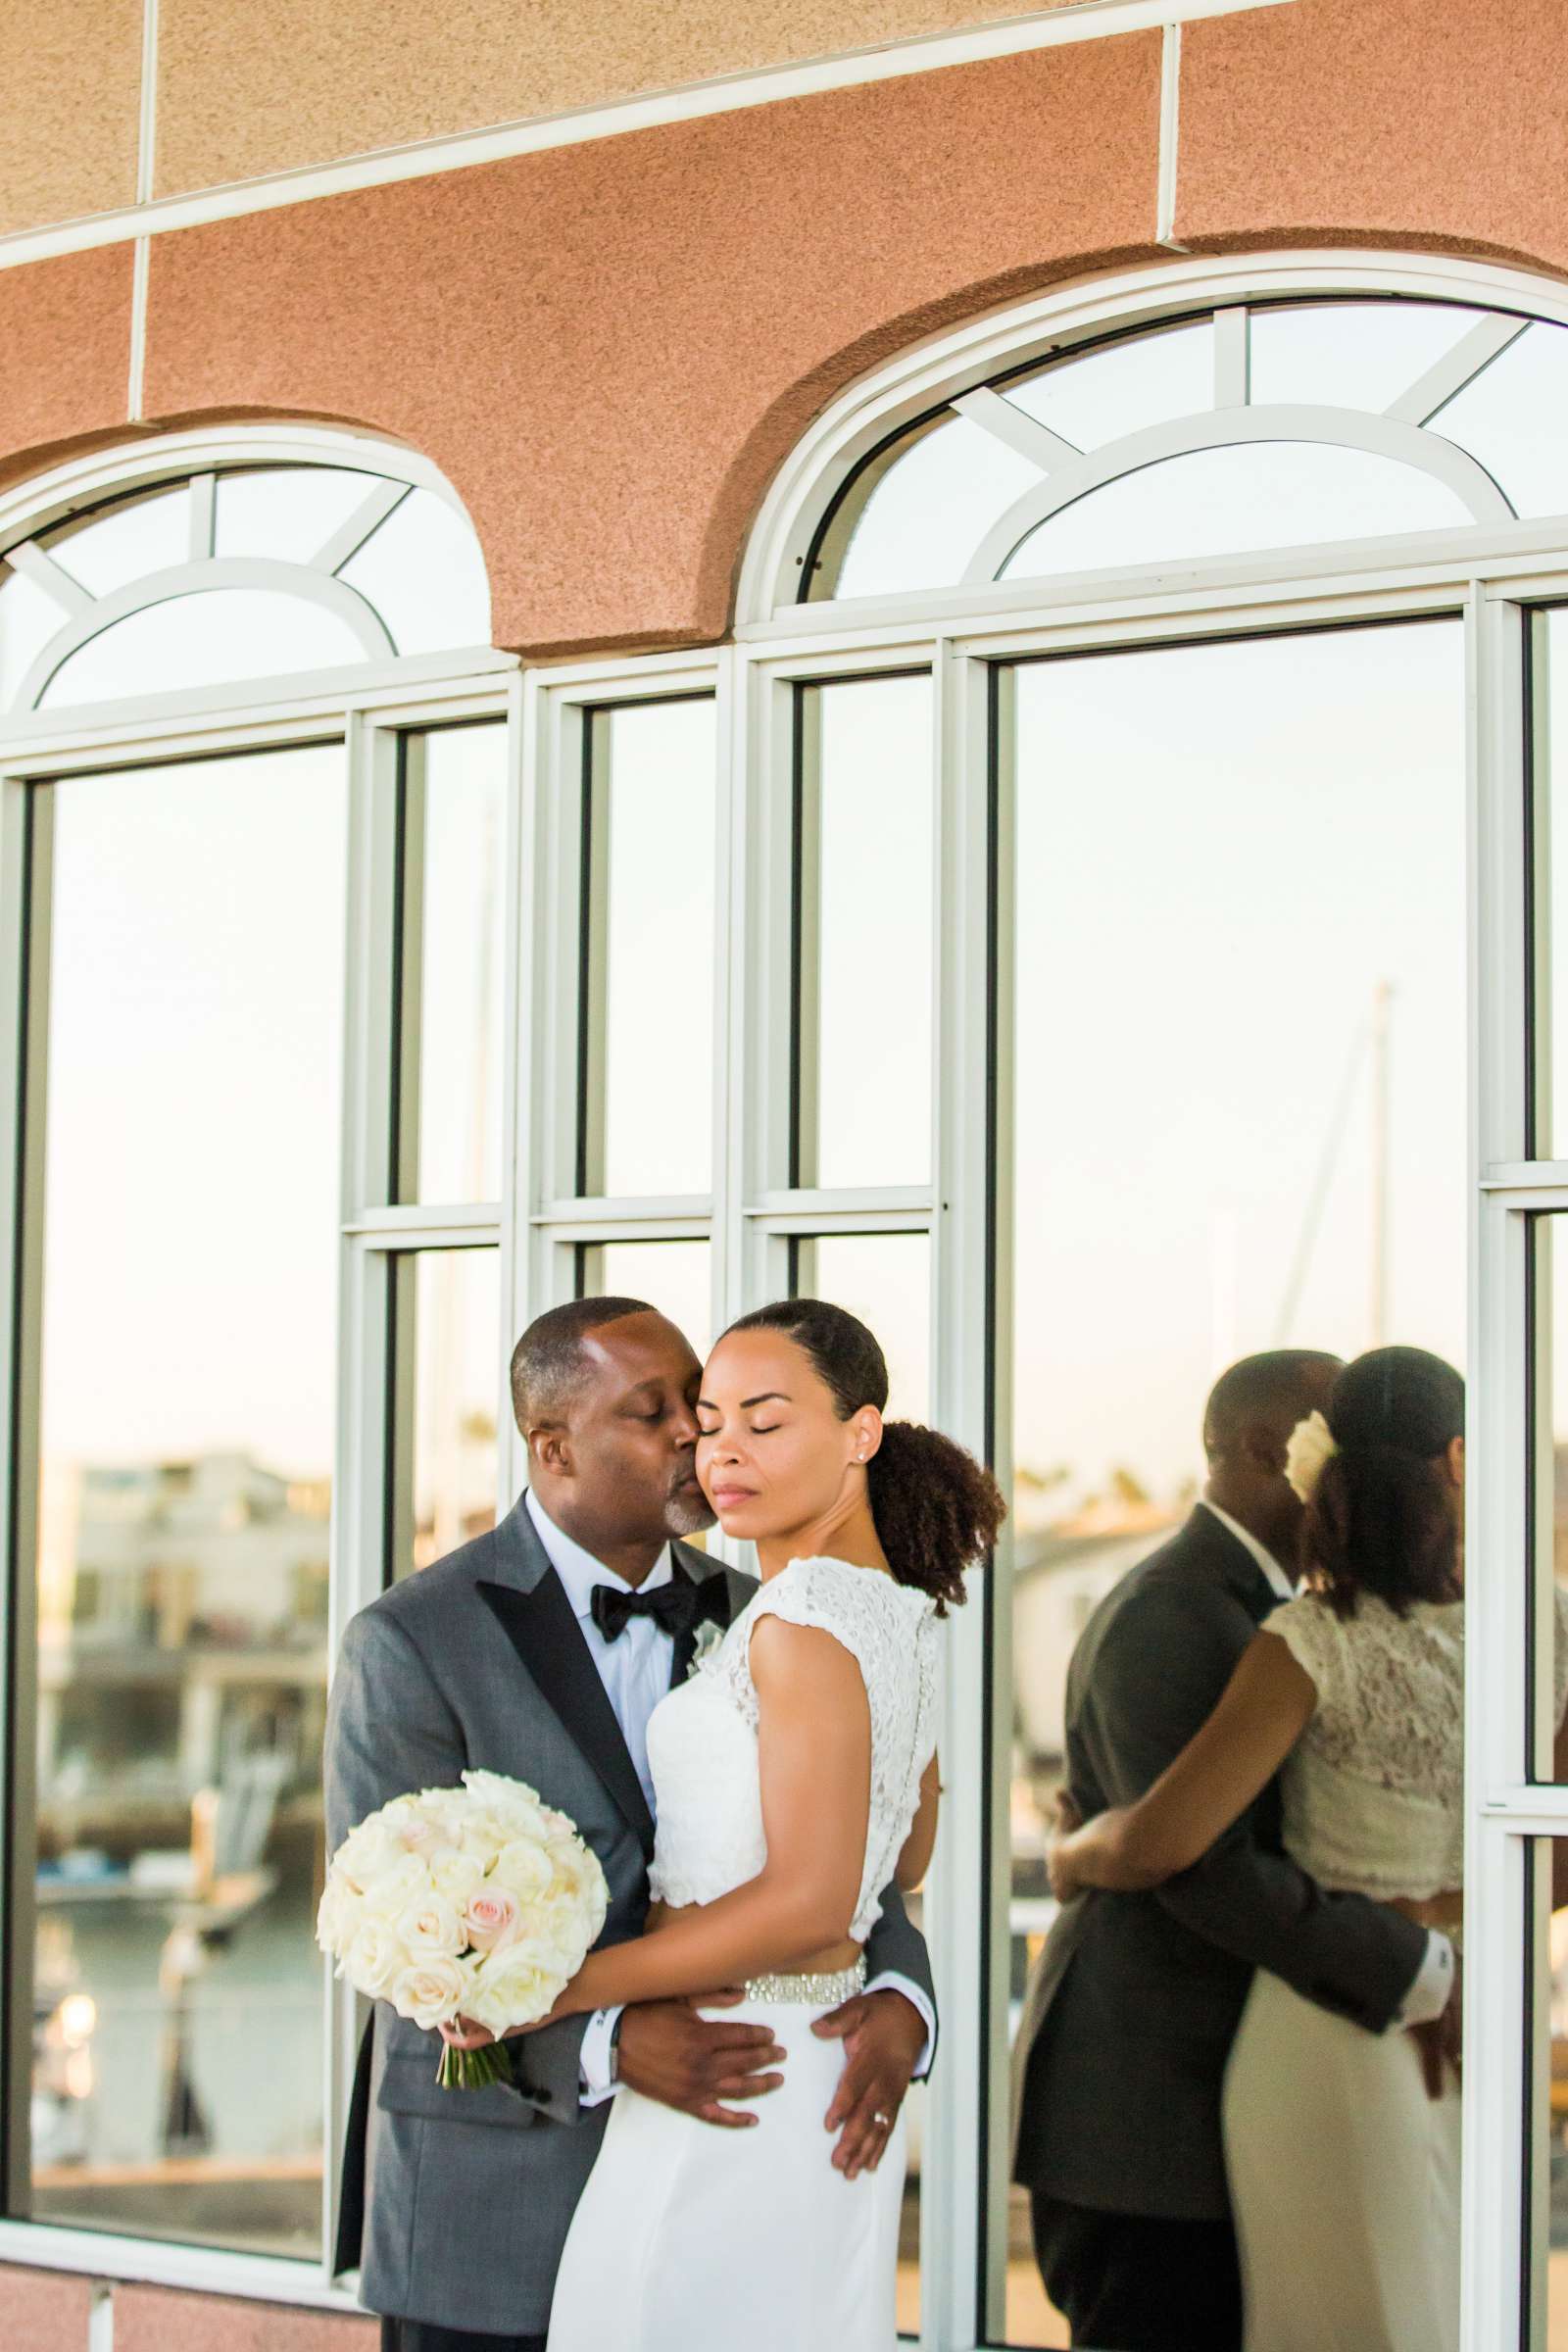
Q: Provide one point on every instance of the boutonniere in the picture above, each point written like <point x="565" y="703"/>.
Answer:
<point x="708" y="1637"/>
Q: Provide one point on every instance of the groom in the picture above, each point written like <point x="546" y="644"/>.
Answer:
<point x="540" y="1651"/>
<point x="1131" y="2013"/>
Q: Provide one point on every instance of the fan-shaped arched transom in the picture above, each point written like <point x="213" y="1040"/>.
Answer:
<point x="238" y="570"/>
<point x="1244" y="428"/>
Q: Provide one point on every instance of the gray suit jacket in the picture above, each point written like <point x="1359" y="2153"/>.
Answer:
<point x="457" y="2203"/>
<point x="1131" y="2009"/>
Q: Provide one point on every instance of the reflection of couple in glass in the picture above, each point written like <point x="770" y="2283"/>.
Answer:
<point x="1226" y="2136"/>
<point x="792" y="1776"/>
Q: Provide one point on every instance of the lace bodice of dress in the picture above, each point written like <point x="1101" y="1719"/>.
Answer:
<point x="702" y="1740"/>
<point x="1374" y="1787"/>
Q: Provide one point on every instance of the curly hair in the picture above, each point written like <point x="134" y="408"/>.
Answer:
<point x="936" y="1509"/>
<point x="1382" y="1518"/>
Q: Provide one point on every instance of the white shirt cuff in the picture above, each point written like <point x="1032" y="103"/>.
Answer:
<point x="1428" y="1997"/>
<point x="595" y="2059"/>
<point x="890" y="1982"/>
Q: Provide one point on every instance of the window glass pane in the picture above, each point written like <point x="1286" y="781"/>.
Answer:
<point x="1095" y="397"/>
<point x="863" y="1090"/>
<point x="1348" y="354"/>
<point x="884" y="1278"/>
<point x="424" y="573"/>
<point x="1548" y="1025"/>
<point x="28" y="618"/>
<point x="673" y="1276"/>
<point x="188" y="1410"/>
<point x="204" y="640"/>
<point x="649" y="1009"/>
<point x="455" y="804"/>
<point x="448" y="1335"/>
<point x="924" y="517"/>
<point x="1547" y="2149"/>
<point x="1511" y="416"/>
<point x="1240" y="992"/>
<point x="1549" y="1435"/>
<point x="1233" y="502"/>
<point x="149" y="531"/>
<point x="286" y="511"/>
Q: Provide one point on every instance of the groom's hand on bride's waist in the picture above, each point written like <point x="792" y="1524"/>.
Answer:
<point x="698" y="2064"/>
<point x="883" y="2036"/>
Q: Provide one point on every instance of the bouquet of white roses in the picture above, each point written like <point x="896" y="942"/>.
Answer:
<point x="477" y="1902"/>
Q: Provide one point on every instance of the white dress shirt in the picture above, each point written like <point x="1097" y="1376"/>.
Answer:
<point x="1428" y="1997"/>
<point x="635" y="1670"/>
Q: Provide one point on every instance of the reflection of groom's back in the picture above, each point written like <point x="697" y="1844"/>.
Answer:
<point x="1135" y="2002"/>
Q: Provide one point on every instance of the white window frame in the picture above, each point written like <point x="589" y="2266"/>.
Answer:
<point x="366" y="708"/>
<point x="1488" y="576"/>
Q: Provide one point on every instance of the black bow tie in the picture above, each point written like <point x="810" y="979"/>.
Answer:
<point x="677" y="1607"/>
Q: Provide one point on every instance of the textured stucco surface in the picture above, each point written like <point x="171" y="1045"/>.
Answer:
<point x="1412" y="122"/>
<point x="65" y="336"/>
<point x="72" y="99"/>
<point x="43" y="2311"/>
<point x="155" y="2319"/>
<point x="609" y="349"/>
<point x="325" y="82"/>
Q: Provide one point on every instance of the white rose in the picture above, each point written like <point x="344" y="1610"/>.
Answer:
<point x="491" y="1919"/>
<point x="523" y="1869"/>
<point x="365" y="1853"/>
<point x="390" y="1889"/>
<point x="1309" y="1449"/>
<point x="455" y="1876"/>
<point x="336" y="1917"/>
<point x="497" y="1794"/>
<point x="375" y="1959"/>
<point x="431" y="1929"/>
<point x="513" y="1989"/>
<point x="431" y="1993"/>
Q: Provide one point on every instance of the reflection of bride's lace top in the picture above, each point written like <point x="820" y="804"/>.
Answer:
<point x="1374" y="1787"/>
<point x="702" y="1740"/>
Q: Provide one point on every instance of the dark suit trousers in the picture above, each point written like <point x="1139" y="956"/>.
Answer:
<point x="1135" y="2282"/>
<point x="416" y="2336"/>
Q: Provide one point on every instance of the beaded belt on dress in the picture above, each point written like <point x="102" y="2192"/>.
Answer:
<point x="824" y="1990"/>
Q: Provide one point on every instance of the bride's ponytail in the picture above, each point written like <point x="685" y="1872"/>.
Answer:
<point x="936" y="1509"/>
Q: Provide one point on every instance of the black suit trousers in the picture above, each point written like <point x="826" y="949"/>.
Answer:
<point x="1136" y="2282"/>
<point x="415" y="2335"/>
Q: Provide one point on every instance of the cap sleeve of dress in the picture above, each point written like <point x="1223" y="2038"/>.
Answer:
<point x="836" y="1599"/>
<point x="1312" y="1632"/>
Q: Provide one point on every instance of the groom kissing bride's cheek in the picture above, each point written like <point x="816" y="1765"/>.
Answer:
<point x="541" y="1651"/>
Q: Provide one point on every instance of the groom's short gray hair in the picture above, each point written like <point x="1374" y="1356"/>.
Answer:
<point x="550" y="1364"/>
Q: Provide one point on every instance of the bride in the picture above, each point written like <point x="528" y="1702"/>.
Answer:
<point x="795" y="1776"/>
<point x="1344" y="2162"/>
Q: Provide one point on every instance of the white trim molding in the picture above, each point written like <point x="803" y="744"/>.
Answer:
<point x="1060" y="26"/>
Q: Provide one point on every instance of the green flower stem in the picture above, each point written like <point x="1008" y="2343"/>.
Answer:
<point x="475" y="2069"/>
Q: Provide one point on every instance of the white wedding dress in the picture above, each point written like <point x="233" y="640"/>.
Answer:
<point x="1344" y="2175"/>
<point x="690" y="2239"/>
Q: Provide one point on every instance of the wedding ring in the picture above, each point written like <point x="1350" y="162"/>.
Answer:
<point x="886" y="2121"/>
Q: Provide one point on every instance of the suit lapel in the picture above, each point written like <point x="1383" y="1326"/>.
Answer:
<point x="698" y="1568"/>
<point x="528" y="1601"/>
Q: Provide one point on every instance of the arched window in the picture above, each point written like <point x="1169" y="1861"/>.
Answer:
<point x="239" y="570"/>
<point x="1236" y="431"/>
<point x="1152" y="829"/>
<point x="257" y="816"/>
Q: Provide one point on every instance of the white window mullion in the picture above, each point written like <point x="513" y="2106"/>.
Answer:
<point x="358" y="1531"/>
<point x="1497" y="1534"/>
<point x="963" y="2110"/>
